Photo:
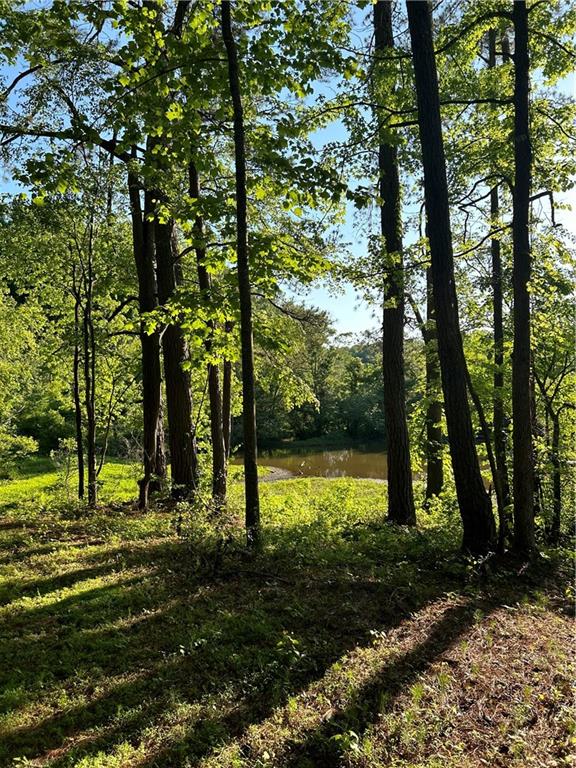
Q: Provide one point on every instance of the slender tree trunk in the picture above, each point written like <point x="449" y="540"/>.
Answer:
<point x="400" y="493"/>
<point x="160" y="470"/>
<point x="536" y="432"/>
<point x="181" y="433"/>
<point x="474" y="502"/>
<point x="227" y="398"/>
<point x="143" y="245"/>
<point x="243" y="267"/>
<point x="77" y="400"/>
<point x="523" y="458"/>
<point x="434" y="447"/>
<point x="498" y="413"/>
<point x="490" y="454"/>
<point x="214" y="393"/>
<point x="556" y="481"/>
<point x="89" y="379"/>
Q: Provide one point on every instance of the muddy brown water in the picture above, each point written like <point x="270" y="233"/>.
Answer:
<point x="349" y="462"/>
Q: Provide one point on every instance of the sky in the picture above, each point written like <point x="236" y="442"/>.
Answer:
<point x="351" y="314"/>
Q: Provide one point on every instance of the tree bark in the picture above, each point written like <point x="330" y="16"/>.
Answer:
<point x="243" y="269"/>
<point x="474" y="502"/>
<point x="181" y="433"/>
<point x="400" y="493"/>
<point x="158" y="482"/>
<point x="227" y="398"/>
<point x="489" y="452"/>
<point x="523" y="458"/>
<point x="143" y="244"/>
<point x="498" y="412"/>
<point x="214" y="393"/>
<point x="556" y="481"/>
<point x="434" y="446"/>
<point x="89" y="377"/>
<point x="76" y="385"/>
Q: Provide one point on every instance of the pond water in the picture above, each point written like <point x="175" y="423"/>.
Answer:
<point x="349" y="462"/>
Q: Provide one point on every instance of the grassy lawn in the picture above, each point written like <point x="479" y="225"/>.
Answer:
<point x="345" y="642"/>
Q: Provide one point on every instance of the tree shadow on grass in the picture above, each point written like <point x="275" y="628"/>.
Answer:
<point x="322" y="747"/>
<point x="102" y="563"/>
<point x="169" y="657"/>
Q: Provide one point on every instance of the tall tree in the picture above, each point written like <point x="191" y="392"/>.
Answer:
<point x="523" y="457"/>
<point x="90" y="366"/>
<point x="143" y="246"/>
<point x="181" y="430"/>
<point x="433" y="416"/>
<point x="76" y="385"/>
<point x="214" y="390"/>
<point x="434" y="461"/>
<point x="498" y="412"/>
<point x="227" y="397"/>
<point x="244" y="290"/>
<point x="400" y="493"/>
<point x="474" y="502"/>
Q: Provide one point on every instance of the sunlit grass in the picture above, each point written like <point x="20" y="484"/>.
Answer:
<point x="41" y="481"/>
<point x="123" y="644"/>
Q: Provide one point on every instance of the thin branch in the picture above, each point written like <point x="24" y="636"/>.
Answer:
<point x="553" y="40"/>
<point x="120" y="307"/>
<point x="18" y="78"/>
<point x="483" y="240"/>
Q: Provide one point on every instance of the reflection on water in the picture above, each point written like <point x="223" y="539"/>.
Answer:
<point x="339" y="463"/>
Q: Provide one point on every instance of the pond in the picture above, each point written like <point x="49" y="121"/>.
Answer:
<point x="348" y="462"/>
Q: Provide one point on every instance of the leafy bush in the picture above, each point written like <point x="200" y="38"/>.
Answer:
<point x="13" y="450"/>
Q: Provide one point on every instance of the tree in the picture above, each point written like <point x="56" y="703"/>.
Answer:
<point x="244" y="289"/>
<point x="434" y="438"/>
<point x="76" y="385"/>
<point x="218" y="413"/>
<point x="498" y="413"/>
<point x="143" y="248"/>
<point x="523" y="459"/>
<point x="181" y="430"/>
<point x="400" y="493"/>
<point x="474" y="503"/>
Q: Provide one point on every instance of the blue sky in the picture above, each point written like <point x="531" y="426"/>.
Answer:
<point x="350" y="312"/>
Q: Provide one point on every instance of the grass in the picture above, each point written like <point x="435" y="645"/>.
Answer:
<point x="345" y="642"/>
<point x="40" y="482"/>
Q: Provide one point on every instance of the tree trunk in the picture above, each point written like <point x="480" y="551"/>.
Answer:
<point x="143" y="245"/>
<point x="490" y="454"/>
<point x="556" y="481"/>
<point x="434" y="461"/>
<point x="227" y="398"/>
<point x="89" y="378"/>
<point x="214" y="393"/>
<point x="158" y="482"/>
<point x="537" y="430"/>
<point x="77" y="400"/>
<point x="181" y="437"/>
<point x="523" y="459"/>
<point x="243" y="267"/>
<point x="498" y="414"/>
<point x="474" y="502"/>
<point x="400" y="493"/>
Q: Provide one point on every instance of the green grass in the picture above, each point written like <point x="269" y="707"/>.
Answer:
<point x="39" y="481"/>
<point x="345" y="642"/>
